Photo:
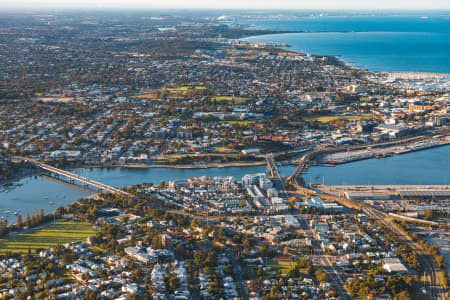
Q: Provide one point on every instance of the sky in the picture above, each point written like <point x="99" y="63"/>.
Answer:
<point x="229" y="4"/>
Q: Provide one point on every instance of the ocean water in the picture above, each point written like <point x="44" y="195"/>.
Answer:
<point x="378" y="43"/>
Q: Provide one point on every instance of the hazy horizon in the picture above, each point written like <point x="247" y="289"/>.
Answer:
<point x="231" y="4"/>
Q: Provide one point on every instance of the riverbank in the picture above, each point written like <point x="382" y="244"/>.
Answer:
<point x="191" y="166"/>
<point x="369" y="153"/>
<point x="32" y="193"/>
<point x="425" y="167"/>
<point x="17" y="177"/>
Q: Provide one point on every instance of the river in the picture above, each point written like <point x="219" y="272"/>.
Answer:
<point x="424" y="167"/>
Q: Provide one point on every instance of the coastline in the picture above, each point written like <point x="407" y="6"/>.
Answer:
<point x="337" y="57"/>
<point x="357" y="66"/>
<point x="284" y="46"/>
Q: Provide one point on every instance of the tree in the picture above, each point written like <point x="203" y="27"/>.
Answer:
<point x="90" y="295"/>
<point x="28" y="220"/>
<point x="67" y="259"/>
<point x="321" y="276"/>
<point x="157" y="242"/>
<point x="405" y="295"/>
<point x="19" y="221"/>
<point x="429" y="214"/>
<point x="228" y="270"/>
<point x="62" y="162"/>
<point x="264" y="250"/>
<point x="179" y="251"/>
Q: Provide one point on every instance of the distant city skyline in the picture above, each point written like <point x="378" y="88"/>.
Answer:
<point x="230" y="4"/>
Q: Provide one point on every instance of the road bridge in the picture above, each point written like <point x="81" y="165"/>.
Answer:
<point x="75" y="177"/>
<point x="274" y="173"/>
<point x="272" y="168"/>
<point x="304" y="161"/>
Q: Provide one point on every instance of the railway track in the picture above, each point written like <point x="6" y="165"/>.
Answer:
<point x="436" y="289"/>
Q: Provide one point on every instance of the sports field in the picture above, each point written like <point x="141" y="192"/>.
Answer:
<point x="47" y="237"/>
<point x="329" y="119"/>
<point x="282" y="266"/>
<point x="186" y="88"/>
<point x="230" y="100"/>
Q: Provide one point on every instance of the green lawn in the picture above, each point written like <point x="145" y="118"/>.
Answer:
<point x="224" y="149"/>
<point x="229" y="100"/>
<point x="283" y="266"/>
<point x="47" y="237"/>
<point x="328" y="119"/>
<point x="186" y="88"/>
<point x="240" y="123"/>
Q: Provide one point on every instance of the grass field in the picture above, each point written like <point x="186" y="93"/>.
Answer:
<point x="328" y="119"/>
<point x="186" y="88"/>
<point x="147" y="96"/>
<point x="229" y="100"/>
<point x="47" y="237"/>
<point x="365" y="99"/>
<point x="224" y="149"/>
<point x="282" y="266"/>
<point x="240" y="123"/>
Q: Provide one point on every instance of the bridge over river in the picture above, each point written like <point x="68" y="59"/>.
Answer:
<point x="74" y="177"/>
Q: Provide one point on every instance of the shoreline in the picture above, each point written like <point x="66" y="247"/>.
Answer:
<point x="229" y="165"/>
<point x="338" y="57"/>
<point x="16" y="178"/>
<point x="190" y="166"/>
<point x="385" y="155"/>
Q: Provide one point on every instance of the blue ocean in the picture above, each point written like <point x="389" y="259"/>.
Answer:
<point x="379" y="43"/>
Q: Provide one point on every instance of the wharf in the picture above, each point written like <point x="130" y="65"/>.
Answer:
<point x="352" y="156"/>
<point x="378" y="192"/>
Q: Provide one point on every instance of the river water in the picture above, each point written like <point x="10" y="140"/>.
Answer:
<point x="425" y="167"/>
